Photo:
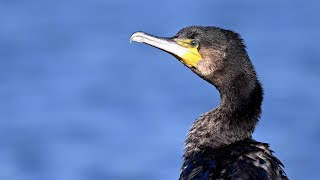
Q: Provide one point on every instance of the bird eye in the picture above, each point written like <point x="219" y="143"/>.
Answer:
<point x="194" y="43"/>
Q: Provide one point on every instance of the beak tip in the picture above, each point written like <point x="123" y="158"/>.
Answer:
<point x="137" y="36"/>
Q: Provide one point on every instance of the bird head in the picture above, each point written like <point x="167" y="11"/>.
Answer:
<point x="215" y="54"/>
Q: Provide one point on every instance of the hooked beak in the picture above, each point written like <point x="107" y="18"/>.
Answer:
<point x="180" y="48"/>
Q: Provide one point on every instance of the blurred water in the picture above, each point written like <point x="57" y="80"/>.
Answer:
<point x="79" y="102"/>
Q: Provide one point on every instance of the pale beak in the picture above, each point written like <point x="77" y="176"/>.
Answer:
<point x="188" y="56"/>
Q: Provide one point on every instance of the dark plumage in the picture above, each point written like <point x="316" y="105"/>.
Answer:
<point x="219" y="144"/>
<point x="246" y="159"/>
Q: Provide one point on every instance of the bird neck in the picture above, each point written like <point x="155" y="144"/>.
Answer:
<point x="232" y="121"/>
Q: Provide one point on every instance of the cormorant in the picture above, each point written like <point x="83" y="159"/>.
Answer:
<point x="219" y="144"/>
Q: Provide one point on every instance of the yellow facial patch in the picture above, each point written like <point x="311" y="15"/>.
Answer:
<point x="191" y="54"/>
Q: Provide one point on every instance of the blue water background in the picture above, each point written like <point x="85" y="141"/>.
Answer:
<point x="78" y="102"/>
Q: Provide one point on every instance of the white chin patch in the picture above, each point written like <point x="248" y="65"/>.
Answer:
<point x="204" y="67"/>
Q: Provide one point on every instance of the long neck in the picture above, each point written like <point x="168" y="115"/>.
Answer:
<point x="233" y="120"/>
